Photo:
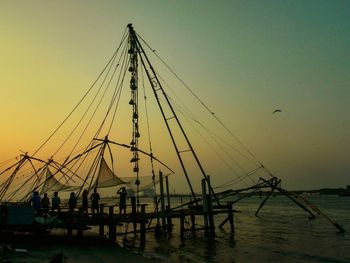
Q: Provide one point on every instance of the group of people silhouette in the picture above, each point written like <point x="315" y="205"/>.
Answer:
<point x="44" y="205"/>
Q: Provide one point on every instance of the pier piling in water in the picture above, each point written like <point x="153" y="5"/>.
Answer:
<point x="111" y="228"/>
<point x="204" y="206"/>
<point x="143" y="227"/>
<point x="102" y="226"/>
<point x="231" y="219"/>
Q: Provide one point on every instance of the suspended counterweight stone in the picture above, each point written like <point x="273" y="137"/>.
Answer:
<point x="134" y="159"/>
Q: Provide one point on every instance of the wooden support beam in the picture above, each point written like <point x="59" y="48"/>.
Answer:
<point x="168" y="207"/>
<point x="182" y="225"/>
<point x="169" y="221"/>
<point x="102" y="226"/>
<point x="224" y="222"/>
<point x="273" y="187"/>
<point x="162" y="201"/>
<point x="167" y="190"/>
<point x="133" y="213"/>
<point x="210" y="216"/>
<point x="231" y="219"/>
<point x="312" y="216"/>
<point x="111" y="227"/>
<point x="193" y="222"/>
<point x="205" y="206"/>
<point x="286" y="193"/>
<point x="143" y="227"/>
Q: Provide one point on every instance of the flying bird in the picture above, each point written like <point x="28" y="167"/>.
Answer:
<point x="275" y="111"/>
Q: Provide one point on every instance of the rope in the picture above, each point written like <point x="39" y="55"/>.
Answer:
<point x="80" y="101"/>
<point x="213" y="138"/>
<point x="200" y="101"/>
<point x="149" y="143"/>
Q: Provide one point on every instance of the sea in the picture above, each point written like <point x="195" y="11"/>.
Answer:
<point x="282" y="232"/>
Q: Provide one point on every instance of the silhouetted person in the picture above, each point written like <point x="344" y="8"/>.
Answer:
<point x="122" y="200"/>
<point x="45" y="203"/>
<point x="55" y="202"/>
<point x="85" y="202"/>
<point x="95" y="197"/>
<point x="72" y="202"/>
<point x="36" y="202"/>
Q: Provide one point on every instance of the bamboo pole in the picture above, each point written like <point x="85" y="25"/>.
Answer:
<point x="182" y="225"/>
<point x="205" y="207"/>
<point x="111" y="227"/>
<point x="169" y="221"/>
<point x="231" y="219"/>
<point x="143" y="227"/>
<point x="162" y="201"/>
<point x="210" y="209"/>
<point x="273" y="187"/>
<point x="102" y="226"/>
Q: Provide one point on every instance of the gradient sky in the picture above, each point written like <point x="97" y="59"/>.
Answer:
<point x="244" y="58"/>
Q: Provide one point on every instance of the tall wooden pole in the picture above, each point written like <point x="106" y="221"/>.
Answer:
<point x="162" y="201"/>
<point x="205" y="207"/>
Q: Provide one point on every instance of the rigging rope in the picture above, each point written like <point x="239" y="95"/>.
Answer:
<point x="190" y="116"/>
<point x="81" y="100"/>
<point x="149" y="143"/>
<point x="200" y="101"/>
<point x="220" y="146"/>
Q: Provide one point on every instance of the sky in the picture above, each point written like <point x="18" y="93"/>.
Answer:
<point x="243" y="58"/>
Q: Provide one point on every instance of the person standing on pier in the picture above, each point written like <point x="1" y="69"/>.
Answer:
<point x="72" y="202"/>
<point x="122" y="200"/>
<point x="36" y="202"/>
<point x="95" y="197"/>
<point x="85" y="202"/>
<point x="45" y="204"/>
<point x="56" y="202"/>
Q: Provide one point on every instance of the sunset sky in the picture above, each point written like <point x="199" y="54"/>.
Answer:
<point x="244" y="59"/>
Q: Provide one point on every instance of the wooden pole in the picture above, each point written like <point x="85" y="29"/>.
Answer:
<point x="169" y="221"/>
<point x="111" y="228"/>
<point x="162" y="201"/>
<point x="230" y="216"/>
<point x="312" y="216"/>
<point x="133" y="213"/>
<point x="167" y="190"/>
<point x="102" y="226"/>
<point x="210" y="216"/>
<point x="193" y="222"/>
<point x="205" y="207"/>
<point x="143" y="227"/>
<point x="224" y="222"/>
<point x="210" y="209"/>
<point x="273" y="187"/>
<point x="182" y="225"/>
<point x="286" y="193"/>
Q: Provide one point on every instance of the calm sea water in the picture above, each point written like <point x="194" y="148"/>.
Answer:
<point x="281" y="233"/>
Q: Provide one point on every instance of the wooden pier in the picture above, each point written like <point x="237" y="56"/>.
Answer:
<point x="137" y="220"/>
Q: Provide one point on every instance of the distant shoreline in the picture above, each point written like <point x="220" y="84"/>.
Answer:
<point x="322" y="191"/>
